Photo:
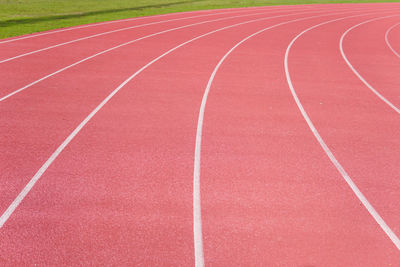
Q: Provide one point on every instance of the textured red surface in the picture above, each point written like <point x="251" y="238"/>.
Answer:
<point x="121" y="192"/>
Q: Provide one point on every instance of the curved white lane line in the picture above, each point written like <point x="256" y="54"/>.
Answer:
<point x="139" y="39"/>
<point x="387" y="39"/>
<point x="197" y="225"/>
<point x="329" y="153"/>
<point x="109" y="32"/>
<point x="6" y="215"/>
<point x="73" y="28"/>
<point x="356" y="72"/>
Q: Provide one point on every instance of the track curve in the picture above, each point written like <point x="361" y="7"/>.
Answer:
<point x="98" y="156"/>
<point x="387" y="39"/>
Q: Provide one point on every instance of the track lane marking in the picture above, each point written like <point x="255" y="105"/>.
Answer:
<point x="197" y="226"/>
<point x="133" y="41"/>
<point x="380" y="96"/>
<point x="387" y="39"/>
<point x="388" y="231"/>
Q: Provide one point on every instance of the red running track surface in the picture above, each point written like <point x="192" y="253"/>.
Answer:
<point x="251" y="116"/>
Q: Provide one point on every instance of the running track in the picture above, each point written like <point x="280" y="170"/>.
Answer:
<point x="284" y="120"/>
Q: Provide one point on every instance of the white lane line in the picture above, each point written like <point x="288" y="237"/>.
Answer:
<point x="98" y="24"/>
<point x="108" y="32"/>
<point x="6" y="215"/>
<point x="73" y="28"/>
<point x="387" y="39"/>
<point x="329" y="153"/>
<point x="136" y="40"/>
<point x="356" y="72"/>
<point x="197" y="222"/>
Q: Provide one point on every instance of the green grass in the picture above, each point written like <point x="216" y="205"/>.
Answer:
<point x="27" y="16"/>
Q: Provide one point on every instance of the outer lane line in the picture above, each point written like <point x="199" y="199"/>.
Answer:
<point x="99" y="24"/>
<point x="109" y="32"/>
<point x="387" y="39"/>
<point x="197" y="225"/>
<point x="396" y="109"/>
<point x="6" y="215"/>
<point x="133" y="41"/>
<point x="75" y="28"/>
<point x="329" y="153"/>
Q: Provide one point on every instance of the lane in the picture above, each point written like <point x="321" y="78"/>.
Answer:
<point x="361" y="130"/>
<point x="38" y="67"/>
<point x="365" y="49"/>
<point x="144" y="198"/>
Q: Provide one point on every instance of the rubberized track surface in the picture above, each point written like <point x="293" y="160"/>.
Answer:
<point x="284" y="120"/>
